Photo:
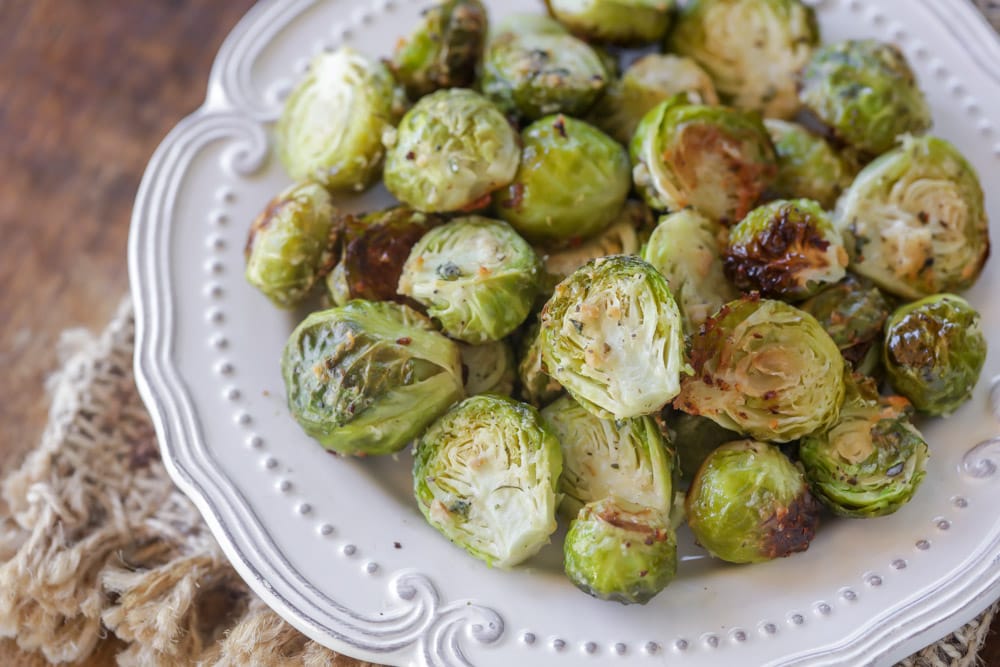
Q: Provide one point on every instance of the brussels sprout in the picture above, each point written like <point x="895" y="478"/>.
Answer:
<point x="693" y="438"/>
<point x="864" y="93"/>
<point x="853" y="312"/>
<point x="684" y="247"/>
<point x="476" y="277"/>
<point x="485" y="475"/>
<point x="647" y="82"/>
<point x="534" y="68"/>
<point x="619" y="551"/>
<point x="489" y="368"/>
<point x="572" y="182"/>
<point x="368" y="377"/>
<point x="625" y="22"/>
<point x="537" y="386"/>
<point x="624" y="458"/>
<point x="914" y="220"/>
<point x="331" y="127"/>
<point x="752" y="49"/>
<point x="621" y="238"/>
<point x="452" y="149"/>
<point x="765" y="369"/>
<point x="717" y="159"/>
<point x="375" y="247"/>
<point x="612" y="336"/>
<point x="291" y="244"/>
<point x="871" y="461"/>
<point x="934" y="352"/>
<point x="785" y="249"/>
<point x="749" y="504"/>
<point x="444" y="49"/>
<point x="808" y="167"/>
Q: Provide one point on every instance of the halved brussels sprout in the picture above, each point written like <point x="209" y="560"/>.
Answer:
<point x="489" y="368"/>
<point x="647" y="82"/>
<point x="914" y="220"/>
<point x="613" y="337"/>
<point x="537" y="386"/>
<point x="934" y="352"/>
<point x="486" y="475"/>
<point x="785" y="249"/>
<point x="808" y="167"/>
<point x="572" y="182"/>
<point x="330" y="129"/>
<point x="853" y="312"/>
<point x="625" y="22"/>
<point x="375" y="247"/>
<point x="292" y="244"/>
<point x="451" y="150"/>
<point x="871" y="461"/>
<point x="476" y="277"/>
<point x="752" y="48"/>
<point x="625" y="458"/>
<point x="749" y="504"/>
<point x="623" y="237"/>
<point x="717" y="159"/>
<point x="533" y="67"/>
<point x="865" y="93"/>
<point x="684" y="247"/>
<point x="693" y="438"/>
<point x="444" y="50"/>
<point x="368" y="377"/>
<point x="619" y="551"/>
<point x="765" y="369"/>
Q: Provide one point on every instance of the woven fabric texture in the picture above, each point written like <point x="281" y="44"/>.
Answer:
<point x="99" y="540"/>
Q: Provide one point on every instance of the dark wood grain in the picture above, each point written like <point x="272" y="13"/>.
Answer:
<point x="87" y="90"/>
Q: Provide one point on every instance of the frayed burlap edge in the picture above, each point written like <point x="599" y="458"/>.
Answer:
<point x="99" y="540"/>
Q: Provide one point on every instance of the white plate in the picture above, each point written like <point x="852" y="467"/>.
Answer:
<point x="338" y="547"/>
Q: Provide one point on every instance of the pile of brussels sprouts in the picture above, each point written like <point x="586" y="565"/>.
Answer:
<point x="729" y="268"/>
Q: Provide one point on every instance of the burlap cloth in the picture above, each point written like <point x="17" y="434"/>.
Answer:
<point x="97" y="539"/>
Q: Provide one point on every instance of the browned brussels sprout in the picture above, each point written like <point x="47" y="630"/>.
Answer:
<point x="853" y="312"/>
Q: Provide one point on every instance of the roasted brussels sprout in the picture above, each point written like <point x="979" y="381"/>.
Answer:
<point x="291" y="244"/>
<point x="785" y="249"/>
<point x="532" y="68"/>
<point x="684" y="247"/>
<point x="537" y="386"/>
<point x="749" y="503"/>
<point x="572" y="182"/>
<point x="693" y="438"/>
<point x="451" y="150"/>
<point x="444" y="49"/>
<point x="330" y="129"/>
<point x="765" y="369"/>
<point x="625" y="22"/>
<point x="934" y="352"/>
<point x="476" y="277"/>
<point x="871" y="461"/>
<point x="647" y="82"/>
<point x="489" y="368"/>
<point x="914" y="220"/>
<point x="717" y="159"/>
<point x="612" y="336"/>
<point x="864" y="93"/>
<point x="486" y="476"/>
<point x="808" y="167"/>
<point x="752" y="49"/>
<point x="368" y="377"/>
<point x="621" y="238"/>
<point x="375" y="247"/>
<point x="853" y="312"/>
<point x="619" y="551"/>
<point x="625" y="458"/>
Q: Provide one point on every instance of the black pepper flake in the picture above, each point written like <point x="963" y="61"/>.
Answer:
<point x="411" y="155"/>
<point x="397" y="545"/>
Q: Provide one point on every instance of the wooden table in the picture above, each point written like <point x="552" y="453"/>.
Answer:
<point x="87" y="90"/>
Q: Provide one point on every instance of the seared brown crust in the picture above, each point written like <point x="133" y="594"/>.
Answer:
<point x="791" y="529"/>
